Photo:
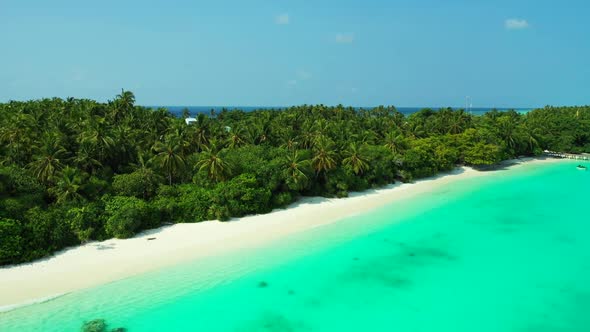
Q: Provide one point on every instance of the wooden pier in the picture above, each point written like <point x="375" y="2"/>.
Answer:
<point x="567" y="155"/>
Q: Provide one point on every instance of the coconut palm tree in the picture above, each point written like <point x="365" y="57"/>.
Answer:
<point x="84" y="159"/>
<point x="68" y="186"/>
<point x="321" y="127"/>
<point x="169" y="157"/>
<point x="507" y="126"/>
<point x="123" y="104"/>
<point x="395" y="142"/>
<point x="126" y="98"/>
<point x="143" y="160"/>
<point x="307" y="139"/>
<point x="324" y="155"/>
<point x="155" y="122"/>
<point x="355" y="159"/>
<point x="260" y="132"/>
<point x="201" y="131"/>
<point x="454" y="122"/>
<point x="289" y="143"/>
<point x="237" y="137"/>
<point x="125" y="143"/>
<point x="295" y="171"/>
<point x="180" y="134"/>
<point x="211" y="162"/>
<point x="531" y="137"/>
<point x="17" y="136"/>
<point x="98" y="138"/>
<point x="48" y="160"/>
<point x="415" y="129"/>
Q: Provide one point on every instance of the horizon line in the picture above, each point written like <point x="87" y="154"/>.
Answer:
<point x="296" y="105"/>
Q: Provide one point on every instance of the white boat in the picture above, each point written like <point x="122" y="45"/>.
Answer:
<point x="582" y="167"/>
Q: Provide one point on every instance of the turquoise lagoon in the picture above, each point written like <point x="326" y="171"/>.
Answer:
<point x="504" y="252"/>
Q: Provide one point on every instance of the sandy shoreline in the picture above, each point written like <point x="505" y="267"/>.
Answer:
<point x="98" y="263"/>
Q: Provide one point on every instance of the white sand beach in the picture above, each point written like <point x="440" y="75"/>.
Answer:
<point x="100" y="262"/>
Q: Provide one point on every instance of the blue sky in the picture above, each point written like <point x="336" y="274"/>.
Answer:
<point x="503" y="53"/>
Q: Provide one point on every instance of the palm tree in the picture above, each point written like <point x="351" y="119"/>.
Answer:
<point x="531" y="136"/>
<point x="507" y="126"/>
<point x="355" y="159"/>
<point x="178" y="133"/>
<point x="123" y="104"/>
<point x="126" y="98"/>
<point x="367" y="137"/>
<point x="259" y="132"/>
<point x="150" y="179"/>
<point x="169" y="157"/>
<point x="296" y="170"/>
<point x="307" y="139"/>
<point x="415" y="129"/>
<point x="125" y="143"/>
<point x="453" y="122"/>
<point x="48" y="160"/>
<point x="321" y="127"/>
<point x="17" y="136"/>
<point x="395" y="142"/>
<point x="98" y="138"/>
<point x="324" y="158"/>
<point x="201" y="130"/>
<point x="289" y="143"/>
<point x="85" y="160"/>
<point x="210" y="161"/>
<point x="144" y="161"/>
<point x="155" y="123"/>
<point x="237" y="138"/>
<point x="68" y="186"/>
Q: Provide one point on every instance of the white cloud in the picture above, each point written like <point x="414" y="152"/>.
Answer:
<point x="344" y="38"/>
<point x="516" y="24"/>
<point x="282" y="19"/>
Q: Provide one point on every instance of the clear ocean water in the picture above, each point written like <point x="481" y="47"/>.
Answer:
<point x="505" y="252"/>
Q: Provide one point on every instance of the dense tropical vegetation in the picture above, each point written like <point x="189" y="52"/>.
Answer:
<point x="76" y="170"/>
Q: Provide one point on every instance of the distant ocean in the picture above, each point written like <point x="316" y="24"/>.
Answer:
<point x="194" y="110"/>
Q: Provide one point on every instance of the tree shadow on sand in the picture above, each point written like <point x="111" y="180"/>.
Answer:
<point x="106" y="246"/>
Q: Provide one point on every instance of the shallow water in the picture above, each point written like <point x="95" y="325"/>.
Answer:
<point x="505" y="252"/>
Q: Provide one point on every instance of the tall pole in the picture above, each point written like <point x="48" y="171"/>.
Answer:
<point x="468" y="104"/>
